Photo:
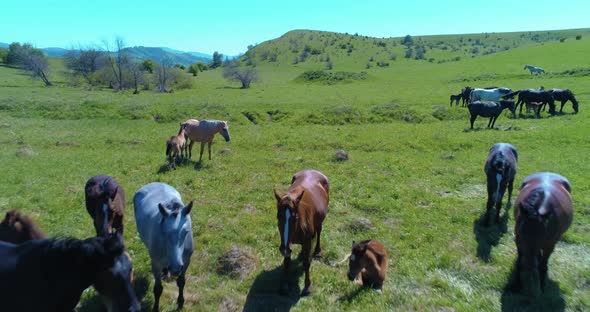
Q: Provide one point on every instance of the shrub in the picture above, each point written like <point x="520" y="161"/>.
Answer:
<point x="578" y="37"/>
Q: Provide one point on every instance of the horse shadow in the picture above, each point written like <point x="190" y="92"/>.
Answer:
<point x="488" y="236"/>
<point x="177" y="164"/>
<point x="94" y="303"/>
<point x="513" y="300"/>
<point x="264" y="294"/>
<point x="352" y="295"/>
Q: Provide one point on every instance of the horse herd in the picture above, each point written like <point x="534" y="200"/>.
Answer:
<point x="50" y="274"/>
<point x="491" y="101"/>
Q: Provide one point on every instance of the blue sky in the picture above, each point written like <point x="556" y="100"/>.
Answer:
<point x="229" y="26"/>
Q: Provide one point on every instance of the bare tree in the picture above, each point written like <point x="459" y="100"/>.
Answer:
<point x="137" y="71"/>
<point x="118" y="60"/>
<point x="84" y="62"/>
<point x="30" y="59"/>
<point x="233" y="71"/>
<point x="162" y="75"/>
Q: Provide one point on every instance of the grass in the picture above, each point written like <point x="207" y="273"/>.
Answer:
<point x="415" y="171"/>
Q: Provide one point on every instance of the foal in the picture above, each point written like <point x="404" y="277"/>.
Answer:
<point x="18" y="228"/>
<point x="500" y="169"/>
<point x="300" y="213"/>
<point x="543" y="212"/>
<point x="367" y="264"/>
<point x="456" y="99"/>
<point x="176" y="147"/>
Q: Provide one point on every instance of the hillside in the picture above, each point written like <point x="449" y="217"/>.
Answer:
<point x="414" y="179"/>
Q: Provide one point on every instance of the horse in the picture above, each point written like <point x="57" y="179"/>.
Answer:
<point x="465" y="95"/>
<point x="489" y="94"/>
<point x="535" y="106"/>
<point x="534" y="69"/>
<point x="300" y="213"/>
<point x="492" y="110"/>
<point x="564" y="95"/>
<point x="176" y="147"/>
<point x="367" y="264"/>
<point x="51" y="274"/>
<point x="500" y="169"/>
<point x="532" y="95"/>
<point x="18" y="228"/>
<point x="105" y="203"/>
<point x="456" y="98"/>
<point x="543" y="213"/>
<point x="164" y="226"/>
<point x="203" y="131"/>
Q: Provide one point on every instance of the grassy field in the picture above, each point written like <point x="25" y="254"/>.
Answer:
<point x="415" y="170"/>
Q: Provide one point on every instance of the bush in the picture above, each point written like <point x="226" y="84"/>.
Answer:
<point x="579" y="37"/>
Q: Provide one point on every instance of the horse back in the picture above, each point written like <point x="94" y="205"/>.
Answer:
<point x="316" y="187"/>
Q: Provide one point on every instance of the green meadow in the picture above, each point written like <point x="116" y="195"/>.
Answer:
<point x="415" y="169"/>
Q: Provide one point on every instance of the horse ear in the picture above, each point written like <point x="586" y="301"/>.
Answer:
<point x="298" y="199"/>
<point x="277" y="196"/>
<point x="187" y="209"/>
<point x="162" y="210"/>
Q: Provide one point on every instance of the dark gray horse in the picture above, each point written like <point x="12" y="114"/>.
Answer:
<point x="489" y="109"/>
<point x="456" y="98"/>
<point x="532" y="95"/>
<point x="564" y="95"/>
<point x="500" y="169"/>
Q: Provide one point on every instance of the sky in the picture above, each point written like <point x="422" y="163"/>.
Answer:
<point x="229" y="26"/>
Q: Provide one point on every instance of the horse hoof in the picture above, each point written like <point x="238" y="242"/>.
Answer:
<point x="306" y="292"/>
<point x="317" y="254"/>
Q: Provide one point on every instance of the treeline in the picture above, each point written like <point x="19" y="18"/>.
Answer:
<point x="113" y="67"/>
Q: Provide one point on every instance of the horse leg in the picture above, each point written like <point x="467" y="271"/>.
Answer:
<point x="190" y="149"/>
<point x="562" y="104"/>
<point x="510" y="187"/>
<point x="157" y="289"/>
<point x="285" y="278"/>
<point x="209" y="147"/>
<point x="490" y="123"/>
<point x="473" y="117"/>
<point x="490" y="202"/>
<point x="499" y="201"/>
<point x="317" y="253"/>
<point x="306" y="251"/>
<point x="201" y="153"/>
<point x="180" y="281"/>
<point x="543" y="266"/>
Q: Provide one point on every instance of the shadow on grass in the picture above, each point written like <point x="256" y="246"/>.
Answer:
<point x="488" y="236"/>
<point x="551" y="300"/>
<point x="183" y="162"/>
<point x="352" y="295"/>
<point x="94" y="303"/>
<point x="480" y="129"/>
<point x="264" y="294"/>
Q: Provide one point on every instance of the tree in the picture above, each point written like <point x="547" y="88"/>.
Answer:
<point x="148" y="65"/>
<point x="233" y="71"/>
<point x="84" y="62"/>
<point x="193" y="69"/>
<point x="409" y="53"/>
<point x="29" y="58"/>
<point x="118" y="60"/>
<point x="217" y="60"/>
<point x="202" y="66"/>
<point x="162" y="75"/>
<point x="3" y="54"/>
<point x="137" y="71"/>
<point x="407" y="41"/>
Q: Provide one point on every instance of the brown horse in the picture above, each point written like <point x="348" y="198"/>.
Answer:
<point x="18" y="228"/>
<point x="176" y="147"/>
<point x="367" y="264"/>
<point x="543" y="212"/>
<point x="500" y="169"/>
<point x="105" y="202"/>
<point x="204" y="131"/>
<point x="300" y="213"/>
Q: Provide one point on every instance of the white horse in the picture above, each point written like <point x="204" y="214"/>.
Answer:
<point x="489" y="94"/>
<point x="164" y="226"/>
<point x="534" y="69"/>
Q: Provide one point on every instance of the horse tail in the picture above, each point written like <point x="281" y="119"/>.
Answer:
<point x="510" y="95"/>
<point x="533" y="203"/>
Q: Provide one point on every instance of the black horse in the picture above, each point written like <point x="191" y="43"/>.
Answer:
<point x="51" y="274"/>
<point x="456" y="99"/>
<point x="532" y="95"/>
<point x="564" y="95"/>
<point x="489" y="109"/>
<point x="500" y="169"/>
<point x="465" y="95"/>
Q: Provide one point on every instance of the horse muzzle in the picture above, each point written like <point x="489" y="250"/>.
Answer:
<point x="285" y="251"/>
<point x="351" y="276"/>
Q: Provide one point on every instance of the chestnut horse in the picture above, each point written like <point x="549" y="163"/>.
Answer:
<point x="204" y="131"/>
<point x="176" y="147"/>
<point x="18" y="228"/>
<point x="300" y="213"/>
<point x="367" y="264"/>
<point x="500" y="169"/>
<point x="543" y="212"/>
<point x="105" y="202"/>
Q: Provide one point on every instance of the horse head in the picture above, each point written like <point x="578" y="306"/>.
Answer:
<point x="175" y="228"/>
<point x="510" y="105"/>
<point x="287" y="215"/>
<point x="224" y="130"/>
<point x="115" y="283"/>
<point x="355" y="260"/>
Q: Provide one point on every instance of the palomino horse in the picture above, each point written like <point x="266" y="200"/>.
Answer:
<point x="500" y="169"/>
<point x="532" y="95"/>
<point x="543" y="212"/>
<point x="564" y="95"/>
<point x="164" y="226"/>
<point x="489" y="94"/>
<point x="18" y="228"/>
<point x="492" y="110"/>
<point x="176" y="147"/>
<point x="456" y="98"/>
<point x="367" y="264"/>
<point x="105" y="202"/>
<point x="51" y="274"/>
<point x="203" y="131"/>
<point x="300" y="213"/>
<point x="534" y="69"/>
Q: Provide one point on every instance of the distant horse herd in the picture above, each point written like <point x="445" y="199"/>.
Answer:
<point x="50" y="274"/>
<point x="491" y="101"/>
